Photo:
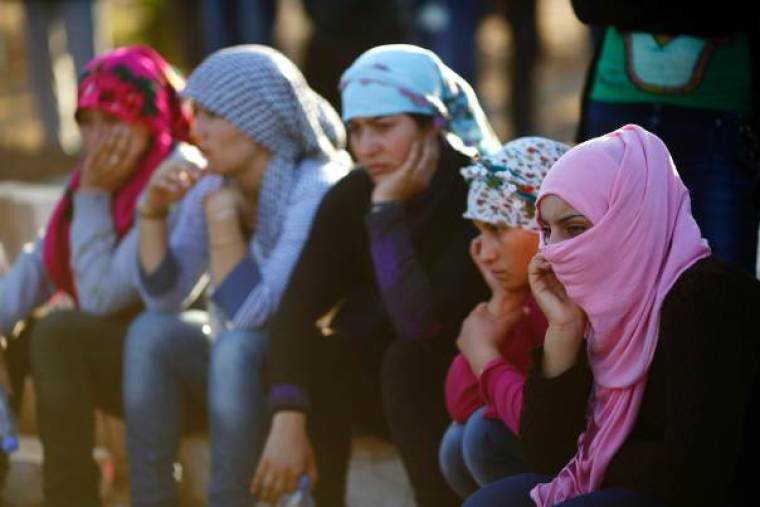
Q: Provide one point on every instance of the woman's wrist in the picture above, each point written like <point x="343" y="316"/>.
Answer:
<point x="561" y="348"/>
<point x="148" y="212"/>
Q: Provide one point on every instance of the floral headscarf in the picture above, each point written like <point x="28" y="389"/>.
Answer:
<point x="401" y="78"/>
<point x="136" y="85"/>
<point x="504" y="186"/>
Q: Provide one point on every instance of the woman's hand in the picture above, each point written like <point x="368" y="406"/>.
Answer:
<point x="113" y="159"/>
<point x="567" y="321"/>
<point x="550" y="295"/>
<point x="168" y="184"/>
<point x="227" y="202"/>
<point x="287" y="455"/>
<point x="414" y="175"/>
<point x="483" y="332"/>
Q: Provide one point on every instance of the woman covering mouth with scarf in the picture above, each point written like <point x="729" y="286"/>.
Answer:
<point x="640" y="395"/>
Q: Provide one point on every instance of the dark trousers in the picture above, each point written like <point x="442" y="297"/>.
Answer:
<point x="76" y="361"/>
<point x="388" y="389"/>
<point x="712" y="154"/>
<point x="515" y="492"/>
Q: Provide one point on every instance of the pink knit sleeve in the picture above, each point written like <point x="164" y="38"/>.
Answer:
<point x="462" y="391"/>
<point x="501" y="384"/>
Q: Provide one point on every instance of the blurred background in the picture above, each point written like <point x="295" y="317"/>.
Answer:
<point x="526" y="58"/>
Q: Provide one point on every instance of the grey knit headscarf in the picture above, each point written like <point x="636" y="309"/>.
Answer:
<point x="265" y="95"/>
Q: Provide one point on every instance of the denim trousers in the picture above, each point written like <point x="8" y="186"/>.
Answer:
<point x="712" y="156"/>
<point x="515" y="492"/>
<point x="171" y="369"/>
<point x="478" y="452"/>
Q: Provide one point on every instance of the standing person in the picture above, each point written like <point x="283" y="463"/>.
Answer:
<point x="484" y="382"/>
<point x="388" y="259"/>
<point x="341" y="31"/>
<point x="692" y="80"/>
<point x="131" y="117"/>
<point x="274" y="147"/>
<point x="641" y="393"/>
<point x="85" y="37"/>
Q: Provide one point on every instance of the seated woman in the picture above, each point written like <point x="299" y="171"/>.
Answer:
<point x="131" y="118"/>
<point x="388" y="262"/>
<point x="273" y="148"/>
<point x="640" y="393"/>
<point x="484" y="383"/>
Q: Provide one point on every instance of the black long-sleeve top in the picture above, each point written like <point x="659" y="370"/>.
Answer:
<point x="399" y="270"/>
<point x="691" y="442"/>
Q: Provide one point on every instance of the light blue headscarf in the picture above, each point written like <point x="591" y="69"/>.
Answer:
<point x="401" y="78"/>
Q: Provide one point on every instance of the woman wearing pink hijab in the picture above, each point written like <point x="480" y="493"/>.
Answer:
<point x="640" y="395"/>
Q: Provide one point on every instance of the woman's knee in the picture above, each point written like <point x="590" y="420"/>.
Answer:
<point x="57" y="336"/>
<point x="239" y="348"/>
<point x="451" y="461"/>
<point x="491" y="451"/>
<point x="150" y="335"/>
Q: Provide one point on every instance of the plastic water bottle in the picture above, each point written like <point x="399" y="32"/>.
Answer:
<point x="8" y="435"/>
<point x="300" y="497"/>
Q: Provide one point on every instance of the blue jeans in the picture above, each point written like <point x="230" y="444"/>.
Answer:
<point x="169" y="367"/>
<point x="232" y="22"/>
<point x="712" y="156"/>
<point x="453" y="41"/>
<point x="478" y="453"/>
<point x="515" y="492"/>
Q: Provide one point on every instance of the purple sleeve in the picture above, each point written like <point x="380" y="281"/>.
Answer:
<point x="502" y="386"/>
<point x="404" y="285"/>
<point x="288" y="397"/>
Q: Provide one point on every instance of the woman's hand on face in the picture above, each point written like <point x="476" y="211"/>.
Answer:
<point x="483" y="332"/>
<point x="551" y="297"/>
<point x="112" y="160"/>
<point x="287" y="455"/>
<point x="414" y="175"/>
<point x="168" y="184"/>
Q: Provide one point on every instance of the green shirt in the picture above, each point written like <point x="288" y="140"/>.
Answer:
<point x="683" y="71"/>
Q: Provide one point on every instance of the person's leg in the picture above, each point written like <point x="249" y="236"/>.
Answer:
<point x="491" y="451"/>
<point x="165" y="366"/>
<point x="413" y="375"/>
<point x="81" y="33"/>
<point x="329" y="417"/>
<point x="711" y="155"/>
<point x="452" y="463"/>
<point x="76" y="361"/>
<point x="522" y="15"/>
<point x="38" y="17"/>
<point x="237" y="415"/>
<point x="612" y="497"/>
<point x="213" y="21"/>
<point x="255" y="20"/>
<point x="510" y="492"/>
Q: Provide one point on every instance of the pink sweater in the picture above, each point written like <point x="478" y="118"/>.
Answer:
<point x="500" y="385"/>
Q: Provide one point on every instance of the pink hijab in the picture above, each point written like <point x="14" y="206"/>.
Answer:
<point x="136" y="85"/>
<point x="619" y="271"/>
